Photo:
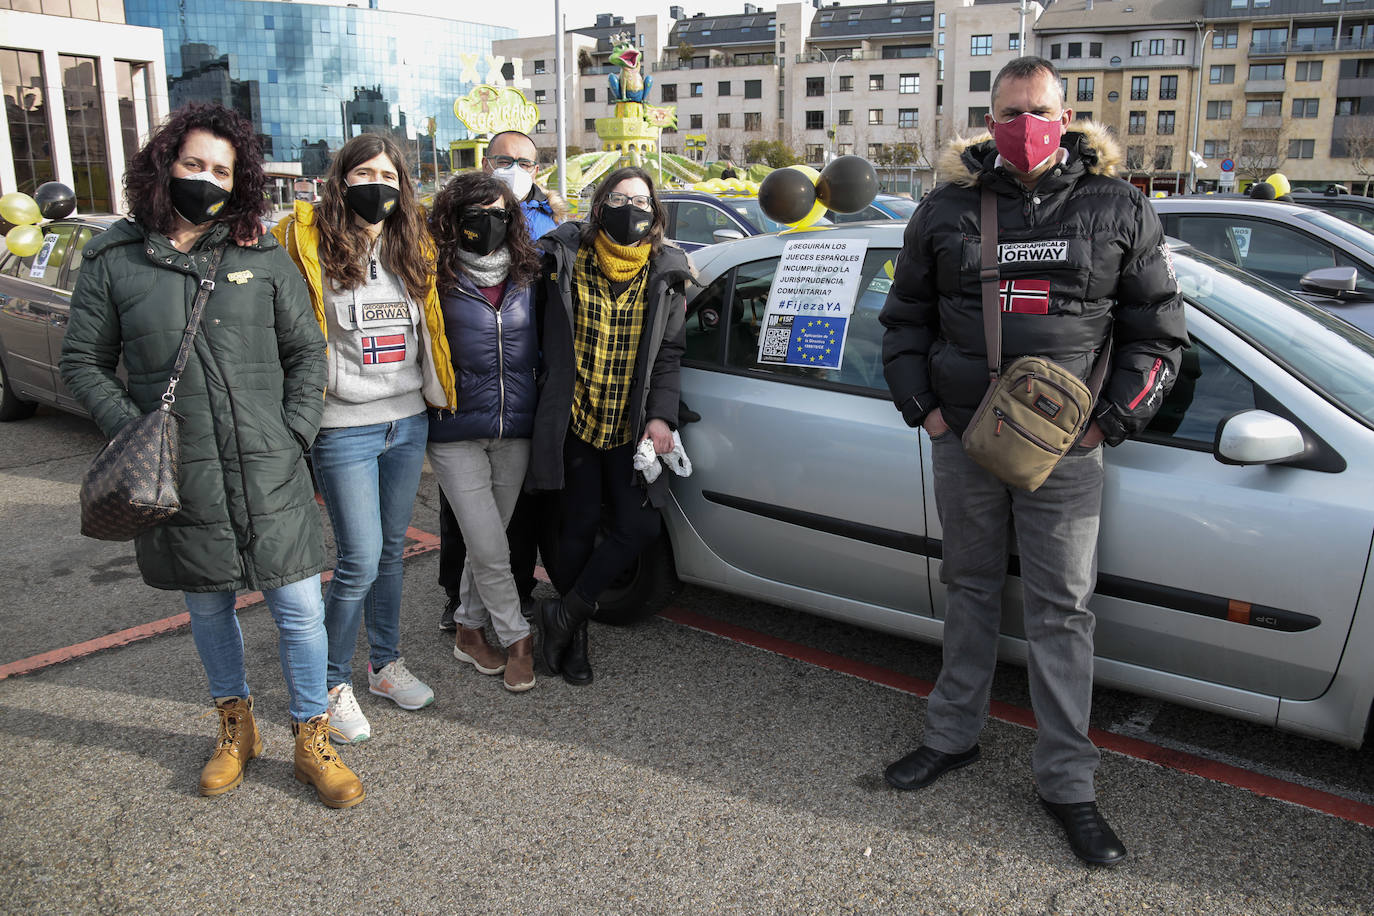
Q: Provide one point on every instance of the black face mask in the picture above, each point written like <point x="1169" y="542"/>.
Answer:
<point x="626" y="225"/>
<point x="374" y="202"/>
<point x="483" y="231"/>
<point x="197" y="200"/>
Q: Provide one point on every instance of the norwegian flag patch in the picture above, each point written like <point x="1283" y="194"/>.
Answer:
<point x="388" y="348"/>
<point x="1025" y="297"/>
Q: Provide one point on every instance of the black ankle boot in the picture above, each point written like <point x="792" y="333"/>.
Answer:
<point x="577" y="667"/>
<point x="558" y="618"/>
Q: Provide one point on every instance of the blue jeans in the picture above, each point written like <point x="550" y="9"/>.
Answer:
<point x="368" y="476"/>
<point x="301" y="642"/>
<point x="1056" y="536"/>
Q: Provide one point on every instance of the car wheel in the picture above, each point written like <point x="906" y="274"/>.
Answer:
<point x="12" y="407"/>
<point x="643" y="590"/>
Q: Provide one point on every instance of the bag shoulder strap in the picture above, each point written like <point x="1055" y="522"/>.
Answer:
<point x="988" y="276"/>
<point x="207" y="286"/>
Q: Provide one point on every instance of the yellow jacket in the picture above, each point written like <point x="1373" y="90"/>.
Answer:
<point x="298" y="235"/>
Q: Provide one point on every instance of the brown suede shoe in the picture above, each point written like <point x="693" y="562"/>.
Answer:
<point x="237" y="743"/>
<point x="471" y="646"/>
<point x="520" y="665"/>
<point x="318" y="764"/>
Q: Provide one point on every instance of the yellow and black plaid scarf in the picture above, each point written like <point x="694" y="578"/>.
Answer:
<point x="606" y="331"/>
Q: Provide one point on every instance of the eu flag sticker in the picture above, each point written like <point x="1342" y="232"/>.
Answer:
<point x="816" y="342"/>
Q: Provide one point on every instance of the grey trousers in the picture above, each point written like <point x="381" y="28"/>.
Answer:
<point x="1056" y="532"/>
<point x="481" y="479"/>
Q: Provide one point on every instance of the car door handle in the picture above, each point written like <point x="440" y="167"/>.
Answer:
<point x="686" y="414"/>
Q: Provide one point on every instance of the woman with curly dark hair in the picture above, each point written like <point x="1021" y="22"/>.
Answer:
<point x="611" y="296"/>
<point x="250" y="398"/>
<point x="369" y="263"/>
<point x="480" y="452"/>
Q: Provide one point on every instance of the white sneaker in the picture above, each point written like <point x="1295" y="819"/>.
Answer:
<point x="346" y="717"/>
<point x="396" y="683"/>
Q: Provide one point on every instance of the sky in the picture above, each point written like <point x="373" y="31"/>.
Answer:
<point x="535" y="17"/>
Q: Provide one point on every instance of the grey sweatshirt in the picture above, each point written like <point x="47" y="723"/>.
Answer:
<point x="374" y="374"/>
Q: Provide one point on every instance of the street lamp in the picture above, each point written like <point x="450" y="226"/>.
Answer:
<point x="343" y="116"/>
<point x="830" y="104"/>
<point x="1197" y="105"/>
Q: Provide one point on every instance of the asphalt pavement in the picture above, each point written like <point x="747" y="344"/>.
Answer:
<point x="697" y="774"/>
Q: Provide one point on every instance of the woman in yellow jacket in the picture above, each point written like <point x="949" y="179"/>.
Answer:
<point x="369" y="262"/>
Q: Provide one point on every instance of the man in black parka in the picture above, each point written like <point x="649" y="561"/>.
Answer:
<point x="1082" y="261"/>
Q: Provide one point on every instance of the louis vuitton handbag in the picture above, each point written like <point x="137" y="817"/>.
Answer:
<point x="131" y="485"/>
<point x="1034" y="409"/>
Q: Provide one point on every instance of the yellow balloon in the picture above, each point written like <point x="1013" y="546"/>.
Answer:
<point x="817" y="209"/>
<point x="1278" y="180"/>
<point x="19" y="209"/>
<point x="24" y="240"/>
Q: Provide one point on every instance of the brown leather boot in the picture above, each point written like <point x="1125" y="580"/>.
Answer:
<point x="471" y="646"/>
<point x="237" y="743"/>
<point x="520" y="665"/>
<point x="318" y="765"/>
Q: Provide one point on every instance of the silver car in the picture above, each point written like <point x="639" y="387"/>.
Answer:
<point x="1315" y="254"/>
<point x="1235" y="546"/>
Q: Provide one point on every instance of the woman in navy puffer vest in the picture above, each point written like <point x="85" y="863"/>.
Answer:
<point x="480" y="451"/>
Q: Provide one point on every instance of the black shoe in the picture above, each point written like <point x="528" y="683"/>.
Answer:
<point x="558" y="618"/>
<point x="925" y="765"/>
<point x="577" y="667"/>
<point x="446" y="622"/>
<point x="1090" y="836"/>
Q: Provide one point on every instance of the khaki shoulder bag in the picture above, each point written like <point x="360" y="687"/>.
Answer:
<point x="1034" y="410"/>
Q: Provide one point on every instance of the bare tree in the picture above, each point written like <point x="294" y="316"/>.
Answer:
<point x="1261" y="151"/>
<point x="1359" y="146"/>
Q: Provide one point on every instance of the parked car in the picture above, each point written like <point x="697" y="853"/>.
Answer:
<point x="1235" y="545"/>
<point x="1352" y="208"/>
<point x="1309" y="252"/>
<point x="884" y="206"/>
<point x="35" y="302"/>
<point x="697" y="219"/>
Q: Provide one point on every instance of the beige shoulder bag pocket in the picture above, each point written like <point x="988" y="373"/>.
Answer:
<point x="1034" y="410"/>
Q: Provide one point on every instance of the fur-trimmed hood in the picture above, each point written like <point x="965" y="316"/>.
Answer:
<point x="965" y="159"/>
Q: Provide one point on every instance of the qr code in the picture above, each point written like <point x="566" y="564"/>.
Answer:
<point x="775" y="342"/>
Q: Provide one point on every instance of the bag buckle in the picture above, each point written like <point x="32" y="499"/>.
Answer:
<point x="168" y="396"/>
<point x="208" y="285"/>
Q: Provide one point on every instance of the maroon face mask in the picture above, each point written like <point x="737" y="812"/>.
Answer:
<point x="1027" y="140"/>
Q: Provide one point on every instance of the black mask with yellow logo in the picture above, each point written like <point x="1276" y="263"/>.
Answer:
<point x="374" y="201"/>
<point x="198" y="198"/>
<point x="482" y="231"/>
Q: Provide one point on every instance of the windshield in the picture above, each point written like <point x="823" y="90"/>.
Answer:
<point x="900" y="206"/>
<point x="748" y="207"/>
<point x="1335" y="358"/>
<point x="1360" y="238"/>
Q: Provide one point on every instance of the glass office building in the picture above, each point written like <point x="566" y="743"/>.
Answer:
<point x="309" y="74"/>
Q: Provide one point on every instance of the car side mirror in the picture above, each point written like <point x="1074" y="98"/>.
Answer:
<point x="1333" y="282"/>
<point x="1257" y="437"/>
<point x="727" y="235"/>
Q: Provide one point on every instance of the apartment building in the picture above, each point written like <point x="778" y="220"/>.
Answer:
<point x="1269" y="84"/>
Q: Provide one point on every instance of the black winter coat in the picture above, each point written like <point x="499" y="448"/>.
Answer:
<point x="656" y="386"/>
<point x="1086" y="257"/>
<point x="252" y="397"/>
<point x="495" y="355"/>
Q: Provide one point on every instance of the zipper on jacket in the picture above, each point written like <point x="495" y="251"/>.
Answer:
<point x="500" y="376"/>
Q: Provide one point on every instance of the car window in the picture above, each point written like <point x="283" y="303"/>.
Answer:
<point x="869" y="212"/>
<point x="1357" y="215"/>
<point x="9" y="264"/>
<point x="861" y="364"/>
<point x="1208" y="390"/>
<point x="698" y="221"/>
<point x="45" y="266"/>
<point x="901" y="206"/>
<point x="1278" y="253"/>
<point x="83" y="238"/>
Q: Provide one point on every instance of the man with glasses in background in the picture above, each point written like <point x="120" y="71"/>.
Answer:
<point x="511" y="157"/>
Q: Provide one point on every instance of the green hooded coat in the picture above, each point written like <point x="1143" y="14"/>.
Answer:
<point x="251" y="399"/>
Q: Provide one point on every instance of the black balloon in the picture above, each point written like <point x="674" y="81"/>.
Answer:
<point x="1263" y="190"/>
<point x="55" y="200"/>
<point x="786" y="195"/>
<point x="847" y="184"/>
